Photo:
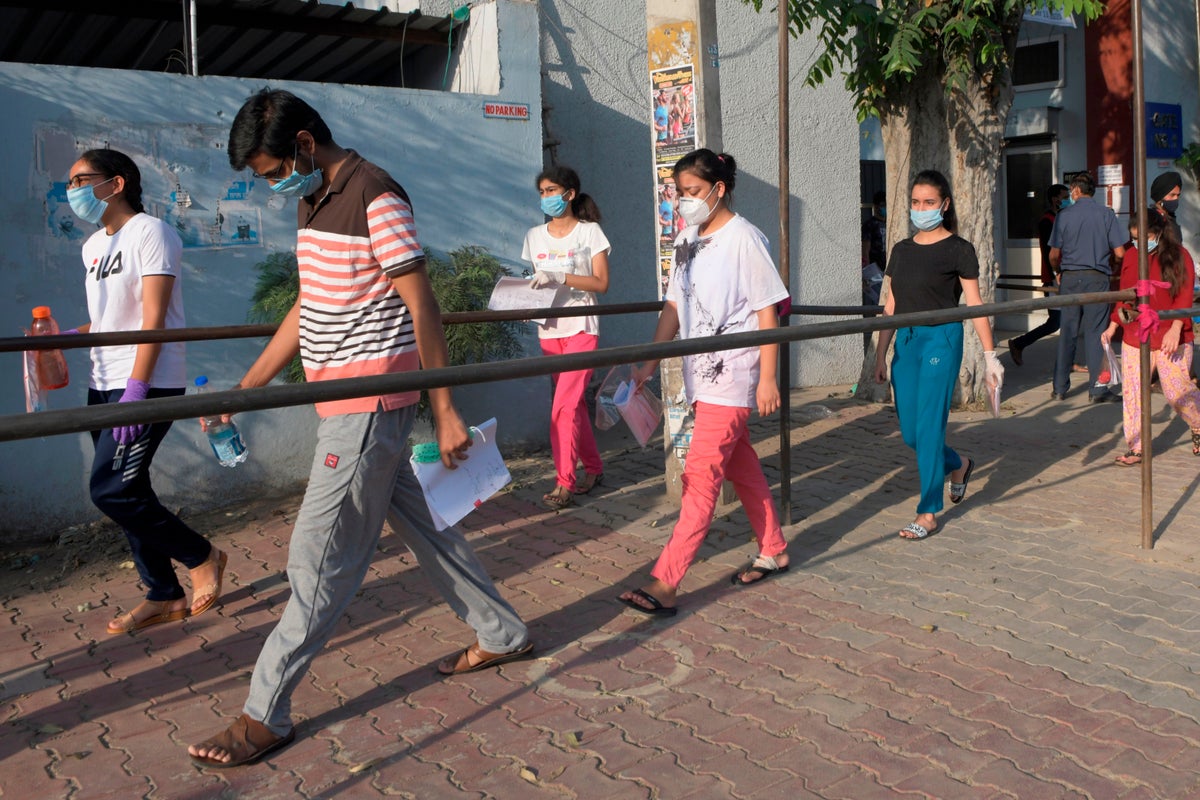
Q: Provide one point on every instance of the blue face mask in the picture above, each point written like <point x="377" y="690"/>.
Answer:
<point x="554" y="205"/>
<point x="297" y="185"/>
<point x="1067" y="201"/>
<point x="926" y="220"/>
<point x="1150" y="245"/>
<point x="85" y="204"/>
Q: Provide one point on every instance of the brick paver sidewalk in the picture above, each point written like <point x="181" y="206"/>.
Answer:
<point x="1028" y="649"/>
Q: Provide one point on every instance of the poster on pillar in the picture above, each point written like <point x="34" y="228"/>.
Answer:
<point x="669" y="223"/>
<point x="674" y="92"/>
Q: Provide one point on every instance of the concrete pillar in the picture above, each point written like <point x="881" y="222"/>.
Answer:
<point x="685" y="106"/>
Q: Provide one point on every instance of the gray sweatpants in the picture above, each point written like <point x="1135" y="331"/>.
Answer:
<point x="360" y="475"/>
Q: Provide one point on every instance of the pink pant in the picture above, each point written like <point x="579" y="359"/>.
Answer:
<point x="720" y="450"/>
<point x="1174" y="377"/>
<point x="571" y="437"/>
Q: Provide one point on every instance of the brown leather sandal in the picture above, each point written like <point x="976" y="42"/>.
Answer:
<point x="246" y="740"/>
<point x="145" y="614"/>
<point x="210" y="592"/>
<point x="558" y="499"/>
<point x="1129" y="459"/>
<point x="590" y="482"/>
<point x="475" y="658"/>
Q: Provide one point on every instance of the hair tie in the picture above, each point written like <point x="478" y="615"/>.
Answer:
<point x="721" y="159"/>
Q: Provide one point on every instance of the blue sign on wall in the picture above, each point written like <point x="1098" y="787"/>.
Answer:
<point x="1164" y="130"/>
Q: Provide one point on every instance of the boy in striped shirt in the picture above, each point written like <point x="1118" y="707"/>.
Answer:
<point x="366" y="307"/>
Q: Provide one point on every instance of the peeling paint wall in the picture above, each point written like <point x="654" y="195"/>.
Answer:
<point x="597" y="120"/>
<point x="469" y="178"/>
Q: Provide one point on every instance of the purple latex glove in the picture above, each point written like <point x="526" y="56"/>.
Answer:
<point x="134" y="390"/>
<point x="70" y="332"/>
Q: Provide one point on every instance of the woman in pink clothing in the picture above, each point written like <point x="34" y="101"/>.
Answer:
<point x="723" y="280"/>
<point x="1172" y="271"/>
<point x="570" y="257"/>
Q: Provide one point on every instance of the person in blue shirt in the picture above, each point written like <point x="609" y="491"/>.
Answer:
<point x="662" y="117"/>
<point x="1086" y="236"/>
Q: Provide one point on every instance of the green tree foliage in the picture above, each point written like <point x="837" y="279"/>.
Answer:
<point x="880" y="48"/>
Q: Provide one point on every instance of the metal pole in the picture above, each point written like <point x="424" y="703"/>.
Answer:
<point x="16" y="344"/>
<point x="1139" y="190"/>
<point x="195" y="42"/>
<point x="74" y="420"/>
<point x="785" y="273"/>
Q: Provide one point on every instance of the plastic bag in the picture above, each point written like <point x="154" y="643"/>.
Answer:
<point x="640" y="409"/>
<point x="607" y="413"/>
<point x="1114" y="367"/>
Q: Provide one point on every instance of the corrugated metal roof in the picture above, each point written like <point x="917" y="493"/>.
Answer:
<point x="273" y="39"/>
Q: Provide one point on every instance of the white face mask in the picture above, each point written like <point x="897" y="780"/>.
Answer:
<point x="695" y="210"/>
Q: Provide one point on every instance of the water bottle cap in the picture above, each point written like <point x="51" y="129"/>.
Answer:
<point x="201" y="380"/>
<point x="41" y="312"/>
<point x="426" y="453"/>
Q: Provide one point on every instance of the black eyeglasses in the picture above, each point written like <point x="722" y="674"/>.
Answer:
<point x="274" y="174"/>
<point x="83" y="179"/>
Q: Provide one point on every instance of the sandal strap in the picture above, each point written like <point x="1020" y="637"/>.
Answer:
<point x="244" y="738"/>
<point x="762" y="562"/>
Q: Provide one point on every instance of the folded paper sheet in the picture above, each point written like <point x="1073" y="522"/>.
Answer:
<point x="511" y="294"/>
<point x="451" y="494"/>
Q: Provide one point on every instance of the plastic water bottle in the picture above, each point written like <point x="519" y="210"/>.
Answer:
<point x="224" y="437"/>
<point x="51" y="366"/>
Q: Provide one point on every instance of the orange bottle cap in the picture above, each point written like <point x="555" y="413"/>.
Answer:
<point x="41" y="312"/>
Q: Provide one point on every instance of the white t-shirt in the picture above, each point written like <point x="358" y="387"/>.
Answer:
<point x="718" y="284"/>
<point x="585" y="240"/>
<point x="115" y="267"/>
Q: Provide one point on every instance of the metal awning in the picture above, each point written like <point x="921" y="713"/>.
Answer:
<point x="272" y="39"/>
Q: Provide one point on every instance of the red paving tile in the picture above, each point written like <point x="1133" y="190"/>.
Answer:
<point x="1011" y="655"/>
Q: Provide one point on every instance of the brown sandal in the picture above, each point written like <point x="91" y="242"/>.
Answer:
<point x="475" y="658"/>
<point x="209" y="591"/>
<point x="1131" y="458"/>
<point x="246" y="741"/>
<point x="134" y="620"/>
<point x="558" y="499"/>
<point x="590" y="482"/>
<point x="1196" y="443"/>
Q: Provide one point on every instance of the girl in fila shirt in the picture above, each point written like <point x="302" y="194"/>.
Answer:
<point x="569" y="250"/>
<point x="723" y="281"/>
<point x="132" y="275"/>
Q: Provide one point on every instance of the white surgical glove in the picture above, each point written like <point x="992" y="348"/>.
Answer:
<point x="993" y="370"/>
<point x="544" y="280"/>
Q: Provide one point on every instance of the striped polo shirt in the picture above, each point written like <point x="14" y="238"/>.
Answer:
<point x="350" y="245"/>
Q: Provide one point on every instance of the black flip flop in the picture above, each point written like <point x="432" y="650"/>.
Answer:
<point x="659" y="609"/>
<point x="764" y="574"/>
<point x="966" y="479"/>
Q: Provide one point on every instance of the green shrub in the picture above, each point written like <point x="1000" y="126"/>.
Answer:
<point x="275" y="292"/>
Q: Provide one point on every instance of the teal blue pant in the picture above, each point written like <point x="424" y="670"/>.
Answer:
<point x="924" y="370"/>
